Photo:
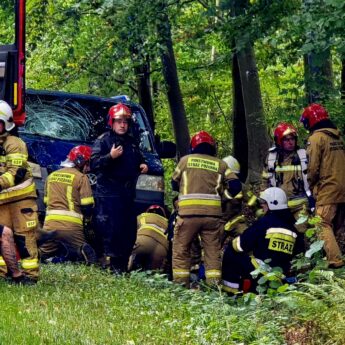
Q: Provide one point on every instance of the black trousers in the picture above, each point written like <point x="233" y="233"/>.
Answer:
<point x="115" y="225"/>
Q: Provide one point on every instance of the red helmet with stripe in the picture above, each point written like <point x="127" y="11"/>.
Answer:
<point x="156" y="209"/>
<point x="80" y="155"/>
<point x="283" y="129"/>
<point x="118" y="111"/>
<point x="313" y="114"/>
<point x="201" y="138"/>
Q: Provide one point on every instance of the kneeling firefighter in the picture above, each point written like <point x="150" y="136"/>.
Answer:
<point x="272" y="237"/>
<point x="69" y="202"/>
<point x="151" y="247"/>
<point x="18" y="208"/>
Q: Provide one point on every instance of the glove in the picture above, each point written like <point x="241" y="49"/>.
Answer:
<point x="311" y="203"/>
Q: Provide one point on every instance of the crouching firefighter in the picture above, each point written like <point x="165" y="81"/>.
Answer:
<point x="272" y="238"/>
<point x="286" y="168"/>
<point x="201" y="179"/>
<point x="69" y="202"/>
<point x="18" y="208"/>
<point x="151" y="247"/>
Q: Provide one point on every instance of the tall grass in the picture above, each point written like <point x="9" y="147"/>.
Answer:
<point x="82" y="305"/>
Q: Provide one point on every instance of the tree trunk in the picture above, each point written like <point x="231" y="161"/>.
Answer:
<point x="239" y="137"/>
<point x="342" y="87"/>
<point x="258" y="142"/>
<point x="318" y="76"/>
<point x="142" y="73"/>
<point x="173" y="87"/>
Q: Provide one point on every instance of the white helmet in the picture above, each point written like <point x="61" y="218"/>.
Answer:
<point x="275" y="198"/>
<point x="233" y="164"/>
<point x="6" y="115"/>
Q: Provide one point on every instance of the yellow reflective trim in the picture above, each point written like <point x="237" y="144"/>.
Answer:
<point x="252" y="200"/>
<point x="202" y="163"/>
<point x="45" y="200"/>
<point x="265" y="175"/>
<point x="185" y="183"/>
<point x="16" y="156"/>
<point x="2" y="159"/>
<point x="239" y="195"/>
<point x="61" y="177"/>
<point x="281" y="236"/>
<point x="15" y="93"/>
<point x="19" y="192"/>
<point x="2" y="261"/>
<point x="9" y="177"/>
<point x="196" y="202"/>
<point x="29" y="264"/>
<point x="297" y="202"/>
<point x="286" y="168"/>
<point x="62" y="218"/>
<point x="152" y="228"/>
<point x="229" y="289"/>
<point x="87" y="201"/>
<point x="69" y="198"/>
<point x="212" y="273"/>
<point x="230" y="224"/>
<point x="236" y="244"/>
<point x="180" y="273"/>
<point x="31" y="224"/>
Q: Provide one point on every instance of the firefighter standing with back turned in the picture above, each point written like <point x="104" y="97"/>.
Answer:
<point x="18" y="208"/>
<point x="69" y="201"/>
<point x="286" y="168"/>
<point x="201" y="179"/>
<point x="117" y="161"/>
<point x="326" y="176"/>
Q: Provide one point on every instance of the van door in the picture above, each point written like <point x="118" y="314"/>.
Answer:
<point x="12" y="56"/>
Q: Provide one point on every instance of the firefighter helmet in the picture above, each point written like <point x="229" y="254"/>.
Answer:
<point x="80" y="155"/>
<point x="313" y="114"/>
<point x="156" y="209"/>
<point x="233" y="164"/>
<point x="118" y="111"/>
<point x="275" y="198"/>
<point x="283" y="129"/>
<point x="202" y="137"/>
<point x="6" y="115"/>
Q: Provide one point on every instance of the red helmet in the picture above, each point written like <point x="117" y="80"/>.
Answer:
<point x="156" y="209"/>
<point x="313" y="114"/>
<point x="201" y="138"/>
<point x="80" y="155"/>
<point x="282" y="130"/>
<point x="118" y="111"/>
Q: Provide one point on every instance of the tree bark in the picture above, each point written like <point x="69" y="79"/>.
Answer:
<point x="258" y="141"/>
<point x="174" y="94"/>
<point x="142" y="73"/>
<point x="239" y="137"/>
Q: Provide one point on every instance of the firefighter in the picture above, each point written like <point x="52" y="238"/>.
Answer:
<point x="201" y="179"/>
<point x="69" y="201"/>
<point x="151" y="247"/>
<point x="326" y="176"/>
<point x="117" y="162"/>
<point x="273" y="237"/>
<point x="8" y="251"/>
<point x="286" y="168"/>
<point x="238" y="212"/>
<point x="18" y="208"/>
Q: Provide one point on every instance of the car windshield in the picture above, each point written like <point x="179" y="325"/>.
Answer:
<point x="77" y="120"/>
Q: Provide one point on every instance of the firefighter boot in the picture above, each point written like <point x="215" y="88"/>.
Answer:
<point x="88" y="254"/>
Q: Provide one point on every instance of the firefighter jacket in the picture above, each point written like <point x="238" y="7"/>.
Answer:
<point x="16" y="180"/>
<point x="288" y="172"/>
<point x="202" y="180"/>
<point x="67" y="192"/>
<point x="326" y="172"/>
<point x="272" y="237"/>
<point x="154" y="226"/>
<point x="123" y="171"/>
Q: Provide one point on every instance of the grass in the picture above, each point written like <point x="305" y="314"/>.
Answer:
<point x="75" y="304"/>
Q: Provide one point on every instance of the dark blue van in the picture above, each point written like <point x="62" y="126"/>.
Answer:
<point x="58" y="121"/>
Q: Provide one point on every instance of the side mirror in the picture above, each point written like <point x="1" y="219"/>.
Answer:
<point x="166" y="149"/>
